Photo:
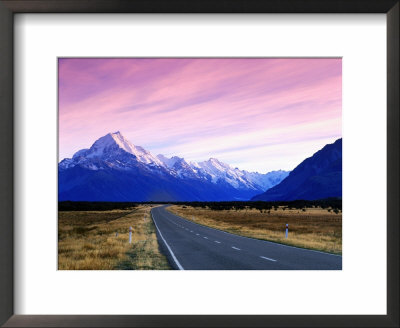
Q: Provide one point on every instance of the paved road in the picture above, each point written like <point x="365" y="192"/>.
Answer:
<point x="190" y="246"/>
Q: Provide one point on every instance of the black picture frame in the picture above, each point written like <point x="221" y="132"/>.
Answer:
<point x="10" y="7"/>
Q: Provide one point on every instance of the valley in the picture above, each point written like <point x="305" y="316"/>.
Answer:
<point x="115" y="185"/>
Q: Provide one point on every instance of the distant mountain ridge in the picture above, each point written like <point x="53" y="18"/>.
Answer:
<point x="113" y="169"/>
<point x="317" y="177"/>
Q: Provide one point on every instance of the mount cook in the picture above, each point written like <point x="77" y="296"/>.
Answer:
<point x="113" y="169"/>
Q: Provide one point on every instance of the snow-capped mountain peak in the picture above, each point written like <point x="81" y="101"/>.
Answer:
<point x="169" y="162"/>
<point x="216" y="164"/>
<point x="112" y="150"/>
<point x="112" y="142"/>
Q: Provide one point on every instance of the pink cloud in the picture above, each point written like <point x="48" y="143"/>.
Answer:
<point x="196" y="108"/>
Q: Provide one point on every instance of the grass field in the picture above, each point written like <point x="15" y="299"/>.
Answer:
<point x="88" y="240"/>
<point x="313" y="228"/>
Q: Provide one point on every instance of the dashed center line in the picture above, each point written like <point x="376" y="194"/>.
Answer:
<point x="218" y="242"/>
<point x="267" y="258"/>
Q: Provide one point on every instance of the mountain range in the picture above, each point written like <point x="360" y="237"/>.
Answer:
<point x="113" y="169"/>
<point x="317" y="177"/>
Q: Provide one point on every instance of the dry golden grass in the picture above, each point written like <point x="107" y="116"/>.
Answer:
<point x="314" y="228"/>
<point x="87" y="241"/>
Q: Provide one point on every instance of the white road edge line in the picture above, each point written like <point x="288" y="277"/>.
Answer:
<point x="238" y="249"/>
<point x="166" y="244"/>
<point x="267" y="258"/>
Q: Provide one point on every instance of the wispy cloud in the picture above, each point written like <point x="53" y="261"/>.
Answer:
<point x="258" y="114"/>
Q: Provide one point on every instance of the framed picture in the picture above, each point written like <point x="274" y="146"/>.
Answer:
<point x="139" y="138"/>
<point x="212" y="191"/>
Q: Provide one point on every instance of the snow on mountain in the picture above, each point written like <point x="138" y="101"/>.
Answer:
<point x="222" y="171"/>
<point x="180" y="168"/>
<point x="111" y="140"/>
<point x="268" y="180"/>
<point x="114" y="151"/>
<point x="217" y="171"/>
<point x="168" y="162"/>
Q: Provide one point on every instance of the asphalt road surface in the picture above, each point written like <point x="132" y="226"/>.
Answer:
<point x="190" y="246"/>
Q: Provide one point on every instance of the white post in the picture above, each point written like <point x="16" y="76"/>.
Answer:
<point x="130" y="235"/>
<point x="287" y="229"/>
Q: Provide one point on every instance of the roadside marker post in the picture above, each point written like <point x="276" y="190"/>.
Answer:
<point x="287" y="229"/>
<point x="130" y="235"/>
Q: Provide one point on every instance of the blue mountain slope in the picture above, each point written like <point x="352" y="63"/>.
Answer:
<point x="138" y="185"/>
<point x="317" y="177"/>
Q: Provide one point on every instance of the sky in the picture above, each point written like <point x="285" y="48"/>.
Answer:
<point x="257" y="114"/>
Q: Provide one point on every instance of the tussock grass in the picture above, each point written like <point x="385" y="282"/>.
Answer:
<point x="87" y="240"/>
<point x="312" y="228"/>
